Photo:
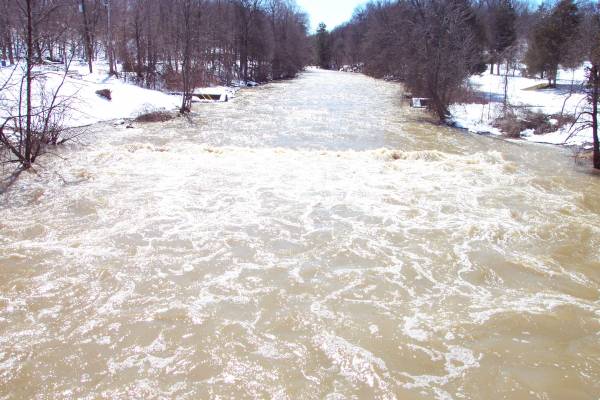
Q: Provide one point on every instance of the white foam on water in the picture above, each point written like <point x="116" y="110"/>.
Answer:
<point x="539" y="303"/>
<point x="355" y="363"/>
<point x="411" y="329"/>
<point x="457" y="361"/>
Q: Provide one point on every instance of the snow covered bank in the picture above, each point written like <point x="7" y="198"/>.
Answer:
<point x="522" y="95"/>
<point x="128" y="100"/>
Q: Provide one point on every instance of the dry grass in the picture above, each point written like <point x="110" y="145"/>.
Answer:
<point x="512" y="124"/>
<point x="155" y="116"/>
<point x="540" y="86"/>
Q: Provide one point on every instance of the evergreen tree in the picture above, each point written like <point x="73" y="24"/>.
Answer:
<point x="502" y="31"/>
<point x="477" y="32"/>
<point x="323" y="47"/>
<point x="551" y="38"/>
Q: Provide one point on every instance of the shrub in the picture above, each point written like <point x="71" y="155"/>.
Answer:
<point x="512" y="124"/>
<point x="155" y="116"/>
<point x="565" y="119"/>
<point x="105" y="93"/>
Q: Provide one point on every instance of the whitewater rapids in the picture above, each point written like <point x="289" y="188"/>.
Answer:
<point x="312" y="239"/>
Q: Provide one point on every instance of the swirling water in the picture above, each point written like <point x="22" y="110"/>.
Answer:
<point x="312" y="239"/>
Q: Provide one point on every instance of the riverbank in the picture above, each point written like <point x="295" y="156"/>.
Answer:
<point x="80" y="88"/>
<point x="481" y="114"/>
<point x="478" y="114"/>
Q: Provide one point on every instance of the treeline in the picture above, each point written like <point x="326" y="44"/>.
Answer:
<point x="433" y="46"/>
<point x="164" y="43"/>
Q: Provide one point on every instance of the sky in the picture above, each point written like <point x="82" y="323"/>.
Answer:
<point x="332" y="12"/>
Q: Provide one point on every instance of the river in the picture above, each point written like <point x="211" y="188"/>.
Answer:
<point x="312" y="239"/>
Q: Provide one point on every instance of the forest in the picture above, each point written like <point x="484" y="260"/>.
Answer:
<point x="169" y="45"/>
<point x="160" y="41"/>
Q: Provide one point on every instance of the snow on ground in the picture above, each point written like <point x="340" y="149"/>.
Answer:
<point x="128" y="99"/>
<point x="480" y="117"/>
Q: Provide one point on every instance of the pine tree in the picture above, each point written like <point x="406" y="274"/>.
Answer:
<point x="549" y="44"/>
<point x="323" y="47"/>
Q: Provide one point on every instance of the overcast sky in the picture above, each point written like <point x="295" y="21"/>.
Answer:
<point x="332" y="12"/>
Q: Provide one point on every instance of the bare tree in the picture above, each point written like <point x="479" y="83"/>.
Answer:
<point x="28" y="127"/>
<point x="588" y="117"/>
<point x="593" y="99"/>
<point x="433" y="46"/>
<point x="109" y="39"/>
<point x="87" y="35"/>
<point x="444" y="49"/>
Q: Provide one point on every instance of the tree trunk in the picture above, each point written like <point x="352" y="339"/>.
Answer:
<point x="29" y="78"/>
<point x="505" y="103"/>
<point x="186" y="67"/>
<point x="87" y="37"/>
<point x="138" y="50"/>
<point x="244" y="52"/>
<point x="595" y="81"/>
<point x="64" y="55"/>
<point x="9" y="43"/>
<point x="38" y="49"/>
<point x="111" y="50"/>
<point x="244" y="63"/>
<point x="552" y="77"/>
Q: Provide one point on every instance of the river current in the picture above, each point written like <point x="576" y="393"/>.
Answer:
<point x="311" y="239"/>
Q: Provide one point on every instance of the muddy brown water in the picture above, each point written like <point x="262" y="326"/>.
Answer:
<point x="312" y="239"/>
